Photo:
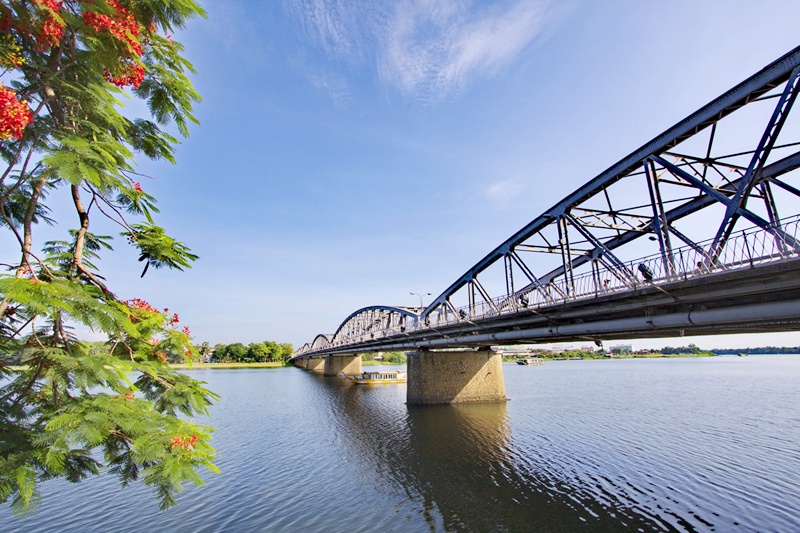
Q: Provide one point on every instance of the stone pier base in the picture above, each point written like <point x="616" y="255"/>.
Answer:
<point x="451" y="377"/>
<point x="349" y="364"/>
<point x="316" y="364"/>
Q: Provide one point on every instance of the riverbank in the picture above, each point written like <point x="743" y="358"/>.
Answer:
<point x="655" y="355"/>
<point x="195" y="366"/>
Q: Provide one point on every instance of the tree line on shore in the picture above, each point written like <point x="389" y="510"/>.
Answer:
<point x="761" y="350"/>
<point x="255" y="352"/>
<point x="691" y="349"/>
<point x="270" y="351"/>
<point x="395" y="358"/>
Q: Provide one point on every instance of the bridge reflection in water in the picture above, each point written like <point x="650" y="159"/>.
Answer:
<point x="695" y="233"/>
<point x="459" y="462"/>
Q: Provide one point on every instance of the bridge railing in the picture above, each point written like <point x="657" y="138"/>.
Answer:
<point x="747" y="249"/>
<point x="744" y="250"/>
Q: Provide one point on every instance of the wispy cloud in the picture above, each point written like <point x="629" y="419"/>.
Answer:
<point x="436" y="47"/>
<point x="502" y="193"/>
<point x="423" y="48"/>
<point x="335" y="85"/>
<point x="332" y="24"/>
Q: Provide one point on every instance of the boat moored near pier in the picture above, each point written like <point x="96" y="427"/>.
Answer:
<point x="376" y="378"/>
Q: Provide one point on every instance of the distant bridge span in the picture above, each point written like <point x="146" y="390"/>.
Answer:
<point x="695" y="232"/>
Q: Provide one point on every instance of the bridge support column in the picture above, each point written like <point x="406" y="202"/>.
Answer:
<point x="316" y="364"/>
<point x="452" y="377"/>
<point x="349" y="364"/>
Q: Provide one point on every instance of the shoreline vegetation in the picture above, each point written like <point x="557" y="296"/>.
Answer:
<point x="577" y="356"/>
<point x="195" y="366"/>
<point x="506" y="358"/>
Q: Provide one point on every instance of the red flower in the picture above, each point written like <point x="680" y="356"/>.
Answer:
<point x="53" y="5"/>
<point x="137" y="186"/>
<point x="52" y="28"/>
<point x="123" y="26"/>
<point x="14" y="114"/>
<point x="140" y="304"/>
<point x="186" y="443"/>
<point x="130" y="74"/>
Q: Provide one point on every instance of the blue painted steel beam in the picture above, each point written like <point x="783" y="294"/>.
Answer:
<point x="391" y="309"/>
<point x="771" y="76"/>
<point x="770" y="172"/>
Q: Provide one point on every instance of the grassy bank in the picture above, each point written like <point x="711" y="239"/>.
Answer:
<point x="653" y="355"/>
<point x="193" y="366"/>
<point x="657" y="355"/>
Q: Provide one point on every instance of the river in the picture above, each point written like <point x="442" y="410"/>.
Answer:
<point x="705" y="444"/>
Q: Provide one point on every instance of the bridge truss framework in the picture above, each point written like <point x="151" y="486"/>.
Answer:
<point x="714" y="194"/>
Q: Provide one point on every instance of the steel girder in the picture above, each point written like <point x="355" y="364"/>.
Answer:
<point x="695" y="184"/>
<point x="321" y="342"/>
<point x="368" y="323"/>
<point x="718" y="185"/>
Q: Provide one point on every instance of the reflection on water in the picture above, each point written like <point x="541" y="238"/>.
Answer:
<point x="668" y="445"/>
<point x="459" y="463"/>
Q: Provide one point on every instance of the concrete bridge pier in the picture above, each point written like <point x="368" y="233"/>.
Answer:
<point x="453" y="377"/>
<point x="315" y="364"/>
<point x="349" y="364"/>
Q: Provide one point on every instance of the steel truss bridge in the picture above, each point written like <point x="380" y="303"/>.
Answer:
<point x="696" y="232"/>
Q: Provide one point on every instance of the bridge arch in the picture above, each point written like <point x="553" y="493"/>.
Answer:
<point x="698" y="212"/>
<point x="321" y="341"/>
<point x="695" y="193"/>
<point x="374" y="322"/>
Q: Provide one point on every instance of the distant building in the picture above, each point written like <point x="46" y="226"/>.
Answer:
<point x="518" y="349"/>
<point x="622" y="347"/>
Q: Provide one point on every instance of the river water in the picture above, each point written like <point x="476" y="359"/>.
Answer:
<point x="707" y="444"/>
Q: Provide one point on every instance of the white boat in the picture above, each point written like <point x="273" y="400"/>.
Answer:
<point x="376" y="378"/>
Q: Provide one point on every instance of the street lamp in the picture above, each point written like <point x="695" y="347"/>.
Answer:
<point x="421" y="305"/>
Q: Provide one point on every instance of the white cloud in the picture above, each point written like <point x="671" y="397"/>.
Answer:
<point x="336" y="26"/>
<point x="335" y="85"/>
<point x="502" y="193"/>
<point x="423" y="48"/>
<point x="436" y="47"/>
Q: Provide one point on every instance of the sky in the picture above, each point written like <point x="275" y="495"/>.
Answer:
<point x="350" y="152"/>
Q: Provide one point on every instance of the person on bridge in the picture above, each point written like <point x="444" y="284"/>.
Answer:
<point x="647" y="274"/>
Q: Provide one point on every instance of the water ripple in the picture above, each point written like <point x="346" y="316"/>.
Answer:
<point x="657" y="445"/>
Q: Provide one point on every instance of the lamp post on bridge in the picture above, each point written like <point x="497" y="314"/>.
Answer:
<point x="421" y="305"/>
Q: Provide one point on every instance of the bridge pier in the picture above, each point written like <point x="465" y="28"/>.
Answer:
<point x="349" y="364"/>
<point x="454" y="377"/>
<point x="315" y="364"/>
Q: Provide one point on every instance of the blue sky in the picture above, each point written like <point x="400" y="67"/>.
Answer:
<point x="352" y="152"/>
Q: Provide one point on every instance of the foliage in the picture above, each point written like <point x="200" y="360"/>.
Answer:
<point x="691" y="349"/>
<point x="398" y="358"/>
<point x="78" y="408"/>
<point x="394" y="358"/>
<point x="761" y="350"/>
<point x="255" y="352"/>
